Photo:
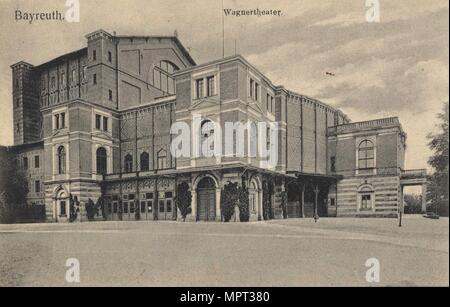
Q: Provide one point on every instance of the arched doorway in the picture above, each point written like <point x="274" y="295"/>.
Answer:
<point x="254" y="200"/>
<point x="206" y="203"/>
<point x="62" y="205"/>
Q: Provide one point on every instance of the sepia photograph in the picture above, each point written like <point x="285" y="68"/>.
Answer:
<point x="207" y="146"/>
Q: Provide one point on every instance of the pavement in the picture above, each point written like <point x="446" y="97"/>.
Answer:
<point x="293" y="252"/>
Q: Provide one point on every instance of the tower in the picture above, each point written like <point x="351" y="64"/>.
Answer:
<point x="26" y="113"/>
<point x="102" y="65"/>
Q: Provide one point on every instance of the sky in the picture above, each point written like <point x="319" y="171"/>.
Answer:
<point x="395" y="67"/>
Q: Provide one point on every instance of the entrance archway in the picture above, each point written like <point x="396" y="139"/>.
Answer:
<point x="206" y="199"/>
<point x="61" y="205"/>
<point x="255" y="199"/>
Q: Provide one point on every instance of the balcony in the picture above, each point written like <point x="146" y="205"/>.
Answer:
<point x="365" y="125"/>
<point x="413" y="177"/>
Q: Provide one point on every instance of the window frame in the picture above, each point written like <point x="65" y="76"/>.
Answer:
<point x="366" y="154"/>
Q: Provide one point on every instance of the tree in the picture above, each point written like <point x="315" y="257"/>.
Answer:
<point x="228" y="200"/>
<point x="243" y="203"/>
<point x="438" y="143"/>
<point x="183" y="199"/>
<point x="413" y="204"/>
<point x="13" y="189"/>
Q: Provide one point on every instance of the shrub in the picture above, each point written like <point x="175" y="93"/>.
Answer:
<point x="183" y="199"/>
<point x="228" y="200"/>
<point x="244" y="212"/>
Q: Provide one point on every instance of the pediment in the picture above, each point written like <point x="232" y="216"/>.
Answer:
<point x="255" y="106"/>
<point x="203" y="103"/>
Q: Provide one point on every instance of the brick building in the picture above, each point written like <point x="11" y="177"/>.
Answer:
<point x="97" y="122"/>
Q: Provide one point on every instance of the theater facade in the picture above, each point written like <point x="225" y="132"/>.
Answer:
<point x="99" y="122"/>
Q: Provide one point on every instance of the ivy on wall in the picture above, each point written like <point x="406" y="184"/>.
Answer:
<point x="183" y="199"/>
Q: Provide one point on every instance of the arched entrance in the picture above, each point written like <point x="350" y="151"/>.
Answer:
<point x="254" y="200"/>
<point x="206" y="200"/>
<point x="61" y="205"/>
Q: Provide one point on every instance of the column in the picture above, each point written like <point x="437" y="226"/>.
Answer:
<point x="302" y="200"/>
<point x="260" y="205"/>
<point x="316" y="196"/>
<point x="424" y="198"/>
<point x="218" y="211"/>
<point x="194" y="205"/>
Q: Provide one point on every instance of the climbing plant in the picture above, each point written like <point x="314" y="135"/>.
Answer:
<point x="228" y="200"/>
<point x="183" y="199"/>
<point x="244" y="214"/>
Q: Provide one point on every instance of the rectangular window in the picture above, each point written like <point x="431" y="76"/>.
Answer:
<point x="109" y="56"/>
<point x="94" y="79"/>
<point x="74" y="75"/>
<point x="366" y="203"/>
<point x="84" y="71"/>
<point x="110" y="95"/>
<point x="332" y="202"/>
<point x="268" y="138"/>
<point x="268" y="107"/>
<point x="252" y="86"/>
<point x="36" y="162"/>
<point x="37" y="186"/>
<point x="333" y="164"/>
<point x="63" y="120"/>
<point x="25" y="163"/>
<point x="57" y="121"/>
<point x="98" y="121"/>
<point x="53" y="82"/>
<point x="256" y="91"/>
<point x="272" y="104"/>
<point x="211" y="86"/>
<point x="63" y="79"/>
<point x="105" y="123"/>
<point x="199" y="83"/>
<point x="94" y="55"/>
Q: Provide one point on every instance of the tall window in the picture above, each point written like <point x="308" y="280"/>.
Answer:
<point x="36" y="162"/>
<point x="25" y="163"/>
<point x="162" y="159"/>
<point x="37" y="186"/>
<point x="333" y="164"/>
<point x="61" y="160"/>
<point x="128" y="163"/>
<point x="63" y="79"/>
<point x="94" y="55"/>
<point x="98" y="121"/>
<point x="63" y="120"/>
<point x="109" y="56"/>
<point x="105" y="123"/>
<point x="145" y="161"/>
<point x="207" y="139"/>
<point x="253" y="140"/>
<point x="94" y="80"/>
<point x="162" y="76"/>
<point x="366" y="156"/>
<point x="74" y="75"/>
<point x="366" y="203"/>
<point x="211" y="89"/>
<point x="199" y="88"/>
<point x="101" y="161"/>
